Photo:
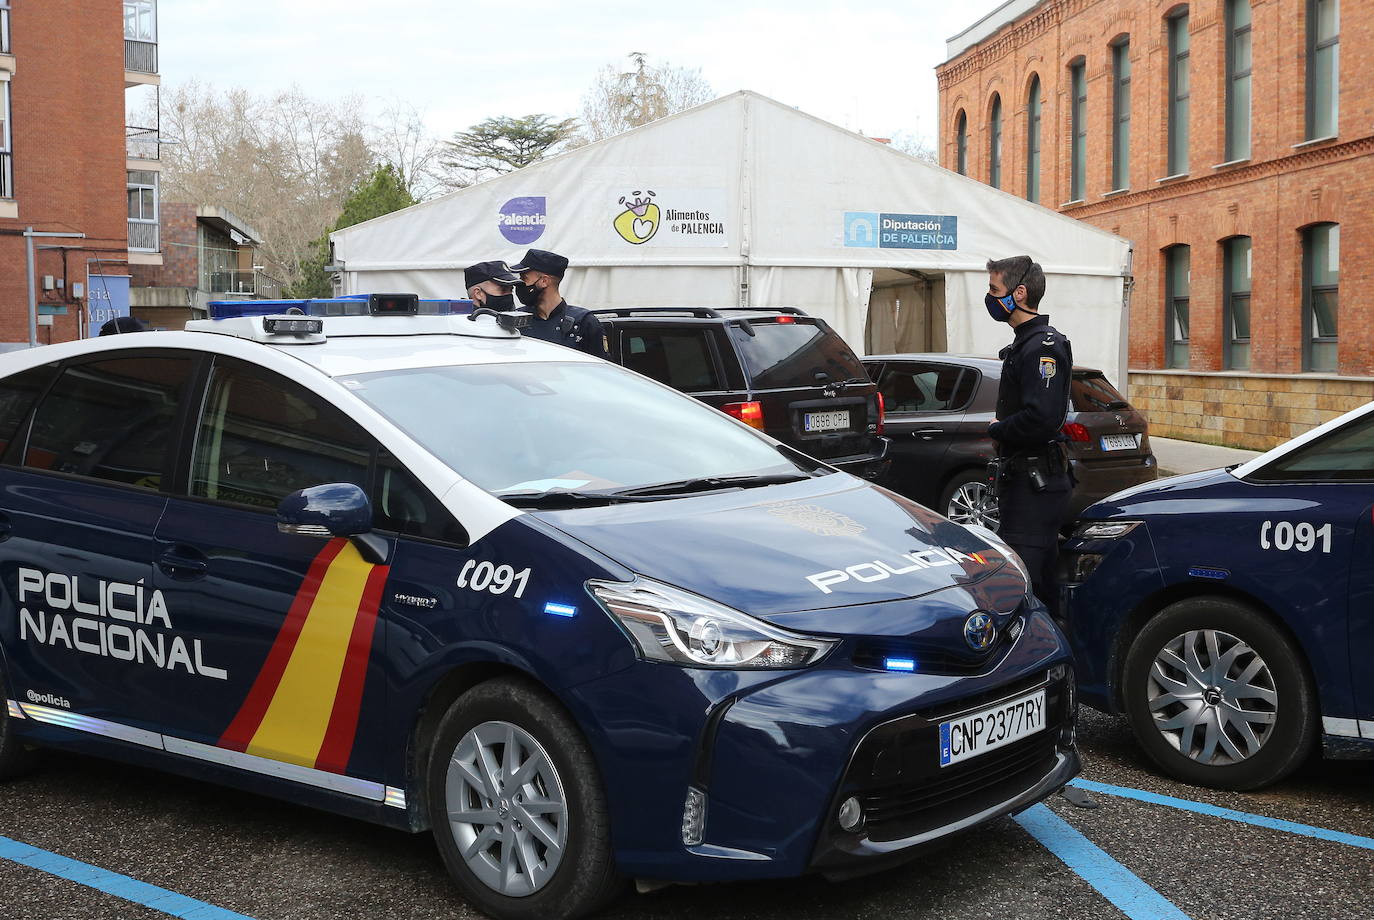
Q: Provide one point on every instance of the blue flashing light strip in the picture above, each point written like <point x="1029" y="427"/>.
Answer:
<point x="1116" y="883"/>
<point x="560" y="610"/>
<point x="352" y="305"/>
<point x="111" y="883"/>
<point x="1228" y="814"/>
<point x="899" y="664"/>
<point x="1198" y="571"/>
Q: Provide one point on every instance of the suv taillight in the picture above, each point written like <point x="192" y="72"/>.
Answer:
<point x="751" y="413"/>
<point x="882" y="412"/>
<point x="1076" y="432"/>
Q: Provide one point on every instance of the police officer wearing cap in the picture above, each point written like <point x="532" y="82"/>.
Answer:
<point x="1031" y="475"/>
<point x="555" y="320"/>
<point x="490" y="285"/>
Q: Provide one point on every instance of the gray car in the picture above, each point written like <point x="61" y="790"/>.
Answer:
<point x="938" y="408"/>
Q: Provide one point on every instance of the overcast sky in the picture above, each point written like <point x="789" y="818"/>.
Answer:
<point x="866" y="66"/>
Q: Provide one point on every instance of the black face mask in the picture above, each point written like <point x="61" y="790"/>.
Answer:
<point x="528" y="294"/>
<point x="500" y="302"/>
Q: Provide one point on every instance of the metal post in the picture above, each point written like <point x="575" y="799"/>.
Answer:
<point x="33" y="294"/>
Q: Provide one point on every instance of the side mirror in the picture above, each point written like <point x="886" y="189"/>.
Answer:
<point x="337" y="509"/>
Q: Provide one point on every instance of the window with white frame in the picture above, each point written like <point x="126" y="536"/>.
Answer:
<point x="143" y="210"/>
<point x="6" y="167"/>
<point x="4" y="26"/>
<point x="140" y="20"/>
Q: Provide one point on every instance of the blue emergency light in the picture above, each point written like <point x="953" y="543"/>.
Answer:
<point x="351" y="305"/>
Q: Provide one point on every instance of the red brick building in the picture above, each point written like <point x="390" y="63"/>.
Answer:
<point x="1231" y="141"/>
<point x="70" y="160"/>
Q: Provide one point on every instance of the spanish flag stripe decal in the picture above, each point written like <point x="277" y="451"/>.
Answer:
<point x="343" y="720"/>
<point x="293" y="728"/>
<point x="240" y="732"/>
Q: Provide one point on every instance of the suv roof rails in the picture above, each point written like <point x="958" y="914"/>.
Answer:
<point x="698" y="312"/>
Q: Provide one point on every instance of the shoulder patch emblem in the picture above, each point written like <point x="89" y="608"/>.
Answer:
<point x="1048" y="368"/>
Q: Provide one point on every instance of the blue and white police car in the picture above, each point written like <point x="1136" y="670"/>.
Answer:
<point x="397" y="562"/>
<point x="1227" y="613"/>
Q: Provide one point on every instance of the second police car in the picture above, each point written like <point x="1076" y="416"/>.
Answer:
<point x="415" y="569"/>
<point x="1227" y="613"/>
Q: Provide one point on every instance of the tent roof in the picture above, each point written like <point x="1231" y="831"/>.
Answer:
<point x="764" y="183"/>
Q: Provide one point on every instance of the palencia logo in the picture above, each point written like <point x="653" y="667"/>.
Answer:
<point x="142" y="632"/>
<point x="877" y="570"/>
<point x="50" y="699"/>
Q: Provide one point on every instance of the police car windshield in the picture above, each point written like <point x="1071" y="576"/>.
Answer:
<point x="524" y="429"/>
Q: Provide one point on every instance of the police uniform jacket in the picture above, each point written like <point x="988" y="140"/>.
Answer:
<point x="575" y="327"/>
<point x="1033" y="396"/>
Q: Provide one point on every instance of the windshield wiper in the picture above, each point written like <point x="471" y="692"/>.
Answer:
<point x="709" y="483"/>
<point x="555" y="498"/>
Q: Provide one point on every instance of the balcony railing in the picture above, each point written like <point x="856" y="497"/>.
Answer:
<point x="140" y="56"/>
<point x="143" y="235"/>
<point x="6" y="175"/>
<point x="142" y="143"/>
<point x="244" y="282"/>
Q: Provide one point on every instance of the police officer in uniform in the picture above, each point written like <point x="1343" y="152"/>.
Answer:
<point x="1034" y="479"/>
<point x="490" y="284"/>
<point x="555" y="320"/>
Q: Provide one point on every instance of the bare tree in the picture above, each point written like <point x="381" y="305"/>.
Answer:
<point x="400" y="139"/>
<point x="619" y="100"/>
<point x="283" y="163"/>
<point x="913" y="144"/>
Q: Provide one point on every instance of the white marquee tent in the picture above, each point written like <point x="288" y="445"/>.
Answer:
<point x="745" y="201"/>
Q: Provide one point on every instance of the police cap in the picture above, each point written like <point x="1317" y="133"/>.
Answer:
<point x="550" y="263"/>
<point x="498" y="271"/>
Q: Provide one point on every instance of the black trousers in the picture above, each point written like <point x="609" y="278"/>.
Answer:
<point x="1030" y="524"/>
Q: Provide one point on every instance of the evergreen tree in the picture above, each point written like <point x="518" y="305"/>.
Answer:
<point x="381" y="193"/>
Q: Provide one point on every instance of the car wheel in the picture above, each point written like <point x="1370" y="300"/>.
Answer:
<point x="1218" y="696"/>
<point x="517" y="806"/>
<point x="15" y="757"/>
<point x="968" y="500"/>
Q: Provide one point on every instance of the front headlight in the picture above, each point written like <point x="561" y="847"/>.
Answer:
<point x="978" y="530"/>
<point x="669" y="624"/>
<point x="1105" y="530"/>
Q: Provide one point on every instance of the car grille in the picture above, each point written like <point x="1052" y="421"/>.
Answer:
<point x="896" y="772"/>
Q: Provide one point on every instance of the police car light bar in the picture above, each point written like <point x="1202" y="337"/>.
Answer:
<point x="353" y="305"/>
<point x="292" y="325"/>
<point x="393" y="304"/>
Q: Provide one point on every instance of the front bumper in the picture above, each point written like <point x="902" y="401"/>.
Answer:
<point x="774" y="754"/>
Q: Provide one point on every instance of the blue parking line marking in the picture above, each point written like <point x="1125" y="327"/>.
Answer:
<point x="121" y="886"/>
<point x="1229" y="814"/>
<point x="1116" y="883"/>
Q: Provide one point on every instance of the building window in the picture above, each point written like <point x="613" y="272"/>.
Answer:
<point x="1078" y="165"/>
<point x="961" y="144"/>
<point x="1237" y="80"/>
<point x="1236" y="303"/>
<point x="143" y="206"/>
<point x="1323" y="67"/>
<point x="1177" y="279"/>
<point x="995" y="143"/>
<point x="140" y="20"/>
<point x="6" y="167"/>
<point x="1033" y="142"/>
<point x="1178" y="93"/>
<point x="1121" y="114"/>
<point x="1321" y="275"/>
<point x="4" y="26"/>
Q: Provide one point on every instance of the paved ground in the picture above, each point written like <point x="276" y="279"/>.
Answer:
<point x="272" y="861"/>
<point x="1175" y="456"/>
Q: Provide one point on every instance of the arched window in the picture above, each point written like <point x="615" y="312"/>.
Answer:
<point x="961" y="144"/>
<point x="1033" y="141"/>
<point x="1235" y="303"/>
<point x="1177" y="282"/>
<point x="1237" y="80"/>
<point x="1323" y="68"/>
<point x="1178" y="91"/>
<point x="1321" y="277"/>
<point x="1078" y="130"/>
<point x="995" y="143"/>
<point x="1121" y="113"/>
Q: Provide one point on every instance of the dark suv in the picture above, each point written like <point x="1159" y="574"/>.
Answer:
<point x="776" y="369"/>
<point x="938" y="410"/>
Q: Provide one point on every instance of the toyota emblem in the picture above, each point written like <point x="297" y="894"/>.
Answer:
<point x="980" y="632"/>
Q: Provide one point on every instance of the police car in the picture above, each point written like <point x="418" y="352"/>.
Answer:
<point x="1227" y="613"/>
<point x="393" y="561"/>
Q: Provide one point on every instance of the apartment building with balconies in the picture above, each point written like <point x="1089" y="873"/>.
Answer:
<point x="79" y="168"/>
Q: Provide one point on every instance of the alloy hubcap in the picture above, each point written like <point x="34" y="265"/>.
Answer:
<point x="506" y="808"/>
<point x="973" y="503"/>
<point x="1212" y="697"/>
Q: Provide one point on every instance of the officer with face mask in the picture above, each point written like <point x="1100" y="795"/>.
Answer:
<point x="490" y="284"/>
<point x="555" y="320"/>
<point x="1031" y="475"/>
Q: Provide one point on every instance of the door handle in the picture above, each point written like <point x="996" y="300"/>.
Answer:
<point x="927" y="433"/>
<point x="185" y="562"/>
